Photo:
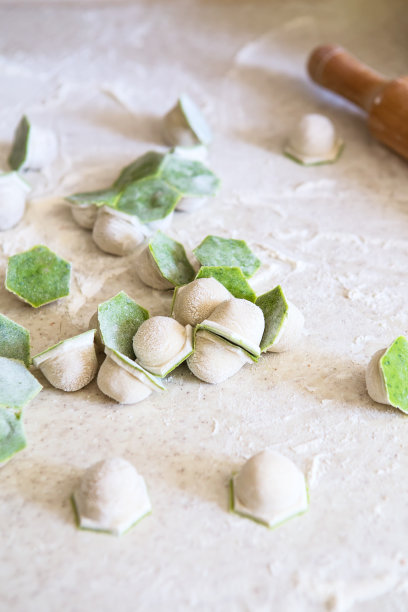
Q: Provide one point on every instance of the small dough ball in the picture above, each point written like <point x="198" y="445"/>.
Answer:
<point x="106" y="489"/>
<point x="111" y="497"/>
<point x="71" y="371"/>
<point x="194" y="302"/>
<point x="157" y="340"/>
<point x="270" y="485"/>
<point x="70" y="365"/>
<point x="116" y="382"/>
<point x="242" y="317"/>
<point x="214" y="360"/>
<point x="314" y="135"/>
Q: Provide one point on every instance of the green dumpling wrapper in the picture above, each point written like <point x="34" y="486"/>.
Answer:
<point x="102" y="197"/>
<point x="190" y="177"/>
<point x="275" y="308"/>
<point x="148" y="165"/>
<point x="38" y="276"/>
<point x="171" y="259"/>
<point x="218" y="251"/>
<point x="18" y="152"/>
<point x="12" y="437"/>
<point x="149" y="199"/>
<point x="14" y="340"/>
<point x="394" y="366"/>
<point x="17" y="385"/>
<point x="119" y="319"/>
<point x="232" y="278"/>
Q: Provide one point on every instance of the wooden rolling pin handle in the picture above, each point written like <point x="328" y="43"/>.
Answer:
<point x="334" y="68"/>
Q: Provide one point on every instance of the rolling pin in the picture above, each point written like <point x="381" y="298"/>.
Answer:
<point x="386" y="102"/>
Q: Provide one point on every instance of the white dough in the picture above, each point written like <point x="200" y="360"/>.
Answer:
<point x="70" y="365"/>
<point x="270" y="488"/>
<point x="121" y="385"/>
<point x="84" y="214"/>
<point x="124" y="380"/>
<point x="13" y="196"/>
<point x="42" y="148"/>
<point x="161" y="343"/>
<point x="94" y="324"/>
<point x="191" y="203"/>
<point x="116" y="232"/>
<point x="375" y="379"/>
<point x="160" y="224"/>
<point x="195" y="301"/>
<point x="240" y="321"/>
<point x="197" y="152"/>
<point x="111" y="496"/>
<point x="314" y="139"/>
<point x="214" y="359"/>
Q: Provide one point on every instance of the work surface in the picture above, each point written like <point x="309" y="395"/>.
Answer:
<point x="102" y="75"/>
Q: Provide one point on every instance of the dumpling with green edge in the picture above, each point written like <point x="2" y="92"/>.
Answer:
<point x="38" y="276"/>
<point x="214" y="359"/>
<point x="117" y="232"/>
<point x="387" y="375"/>
<point x="124" y="380"/>
<point x="111" y="497"/>
<point x="185" y="125"/>
<point x="33" y="148"/>
<point x="14" y="340"/>
<point x="84" y="206"/>
<point x="161" y="344"/>
<point x="17" y="386"/>
<point x="238" y="321"/>
<point x="71" y="364"/>
<point x="194" y="302"/>
<point x="148" y="165"/>
<point x="141" y="200"/>
<point x="283" y="321"/>
<point x="218" y="251"/>
<point x="232" y="278"/>
<point x="12" y="437"/>
<point x="192" y="179"/>
<point x="314" y="141"/>
<point x="163" y="263"/>
<point x="269" y="489"/>
<point x="13" y="197"/>
<point x="116" y="322"/>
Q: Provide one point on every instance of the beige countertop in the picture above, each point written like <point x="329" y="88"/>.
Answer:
<point x="102" y="74"/>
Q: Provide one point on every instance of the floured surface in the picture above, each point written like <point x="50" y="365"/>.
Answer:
<point x="334" y="237"/>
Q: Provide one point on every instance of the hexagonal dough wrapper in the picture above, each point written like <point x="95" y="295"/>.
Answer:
<point x="111" y="497"/>
<point x="269" y="489"/>
<point x="387" y="375"/>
